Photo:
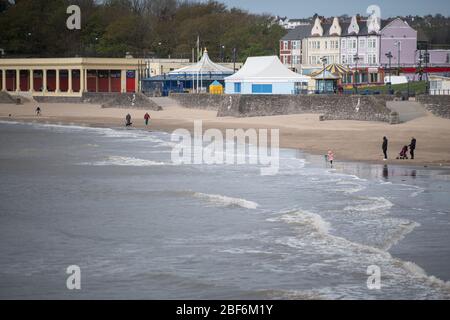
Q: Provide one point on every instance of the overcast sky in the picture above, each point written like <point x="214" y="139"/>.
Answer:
<point x="302" y="8"/>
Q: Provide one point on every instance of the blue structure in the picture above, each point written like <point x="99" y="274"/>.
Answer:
<point x="266" y="75"/>
<point x="194" y="78"/>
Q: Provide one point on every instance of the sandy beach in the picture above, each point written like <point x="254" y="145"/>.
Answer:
<point x="350" y="140"/>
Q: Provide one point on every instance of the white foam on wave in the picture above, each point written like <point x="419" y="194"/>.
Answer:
<point x="127" y="161"/>
<point x="353" y="187"/>
<point x="310" y="219"/>
<point x="354" y="253"/>
<point x="418" y="272"/>
<point x="404" y="227"/>
<point x="371" y="204"/>
<point x="225" y="201"/>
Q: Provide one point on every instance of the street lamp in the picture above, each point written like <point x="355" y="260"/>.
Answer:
<point x="389" y="56"/>
<point x="234" y="59"/>
<point x="398" y="44"/>
<point x="324" y="62"/>
<point x="356" y="58"/>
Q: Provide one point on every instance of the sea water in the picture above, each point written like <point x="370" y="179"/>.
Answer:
<point x="139" y="227"/>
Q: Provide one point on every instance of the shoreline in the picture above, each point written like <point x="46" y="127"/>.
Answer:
<point x="170" y="127"/>
<point x="353" y="141"/>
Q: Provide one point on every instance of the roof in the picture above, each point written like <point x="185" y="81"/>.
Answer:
<point x="216" y="83"/>
<point x="298" y="33"/>
<point x="326" y="75"/>
<point x="204" y="66"/>
<point x="265" y="69"/>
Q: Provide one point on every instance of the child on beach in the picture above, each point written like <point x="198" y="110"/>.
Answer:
<point x="38" y="111"/>
<point x="146" y="118"/>
<point x="330" y="157"/>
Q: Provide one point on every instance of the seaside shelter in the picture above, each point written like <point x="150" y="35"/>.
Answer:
<point x="265" y="75"/>
<point x="326" y="82"/>
<point x="196" y="78"/>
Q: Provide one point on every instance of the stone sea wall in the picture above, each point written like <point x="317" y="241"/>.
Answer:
<point x="331" y="107"/>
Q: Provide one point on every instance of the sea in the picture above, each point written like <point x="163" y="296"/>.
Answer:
<point x="112" y="203"/>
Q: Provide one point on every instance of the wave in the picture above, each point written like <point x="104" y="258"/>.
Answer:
<point x="127" y="161"/>
<point x="225" y="201"/>
<point x="371" y="204"/>
<point x="313" y="220"/>
<point x="405" y="227"/>
<point x="350" y="190"/>
<point x="354" y="253"/>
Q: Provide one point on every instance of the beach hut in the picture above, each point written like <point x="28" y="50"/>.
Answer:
<point x="265" y="75"/>
<point x="216" y="87"/>
<point x="326" y="82"/>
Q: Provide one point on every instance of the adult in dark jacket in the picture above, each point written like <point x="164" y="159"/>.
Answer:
<point x="385" y="147"/>
<point x="412" y="147"/>
<point x="128" y="119"/>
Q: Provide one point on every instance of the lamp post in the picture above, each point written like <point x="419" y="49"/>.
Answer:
<point x="427" y="60"/>
<point x="222" y="53"/>
<point x="398" y="44"/>
<point x="234" y="59"/>
<point x="356" y="58"/>
<point x="324" y="62"/>
<point x="389" y="56"/>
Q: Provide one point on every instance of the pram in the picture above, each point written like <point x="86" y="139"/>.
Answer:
<point x="403" y="154"/>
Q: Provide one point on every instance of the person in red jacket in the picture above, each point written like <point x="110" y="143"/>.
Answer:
<point x="146" y="118"/>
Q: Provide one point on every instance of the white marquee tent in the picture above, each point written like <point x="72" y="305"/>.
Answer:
<point x="265" y="75"/>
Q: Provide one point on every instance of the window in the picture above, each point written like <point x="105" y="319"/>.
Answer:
<point x="343" y="43"/>
<point x="344" y="59"/>
<point x="362" y="43"/>
<point x="295" y="45"/>
<point x="237" y="87"/>
<point x="286" y="45"/>
<point x="448" y="58"/>
<point x="261" y="88"/>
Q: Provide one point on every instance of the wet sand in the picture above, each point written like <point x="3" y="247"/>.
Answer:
<point x="350" y="140"/>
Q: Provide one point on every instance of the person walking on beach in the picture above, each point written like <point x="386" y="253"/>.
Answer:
<point x="146" y="118"/>
<point x="38" y="111"/>
<point x="330" y="157"/>
<point x="385" y="147"/>
<point x="412" y="147"/>
<point x="128" y="119"/>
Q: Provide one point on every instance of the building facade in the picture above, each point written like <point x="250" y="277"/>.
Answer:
<point x="360" y="50"/>
<point x="68" y="77"/>
<point x="323" y="44"/>
<point x="400" y="40"/>
<point x="292" y="47"/>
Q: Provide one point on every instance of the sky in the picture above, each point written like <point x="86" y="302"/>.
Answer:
<point x="307" y="8"/>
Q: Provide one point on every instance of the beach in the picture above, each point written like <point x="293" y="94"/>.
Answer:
<point x="350" y="140"/>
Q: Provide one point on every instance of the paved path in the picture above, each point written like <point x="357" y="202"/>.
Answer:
<point x="407" y="110"/>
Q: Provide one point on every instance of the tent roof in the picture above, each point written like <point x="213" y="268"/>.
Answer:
<point x="336" y="69"/>
<point x="215" y="83"/>
<point x="204" y="66"/>
<point x="326" y="75"/>
<point x="265" y="69"/>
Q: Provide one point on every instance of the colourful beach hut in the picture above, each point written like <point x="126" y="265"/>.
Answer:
<point x="216" y="87"/>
